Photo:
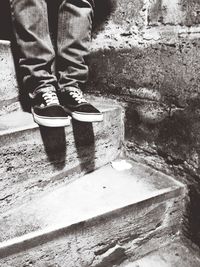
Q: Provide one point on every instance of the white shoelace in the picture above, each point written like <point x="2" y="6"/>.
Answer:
<point x="77" y="95"/>
<point x="50" y="98"/>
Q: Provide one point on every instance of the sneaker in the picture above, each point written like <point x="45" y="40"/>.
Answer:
<point x="47" y="110"/>
<point x="77" y="107"/>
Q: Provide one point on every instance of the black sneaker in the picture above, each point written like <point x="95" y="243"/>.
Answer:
<point x="76" y="106"/>
<point x="47" y="110"/>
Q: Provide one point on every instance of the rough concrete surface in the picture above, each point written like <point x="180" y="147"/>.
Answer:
<point x="146" y="54"/>
<point x="176" y="254"/>
<point x="178" y="12"/>
<point x="95" y="243"/>
<point x="8" y="82"/>
<point x="107" y="189"/>
<point x="36" y="159"/>
<point x="122" y="221"/>
<point x="153" y="71"/>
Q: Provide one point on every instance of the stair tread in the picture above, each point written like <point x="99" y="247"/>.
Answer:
<point x="19" y="120"/>
<point x="16" y="120"/>
<point x="100" y="192"/>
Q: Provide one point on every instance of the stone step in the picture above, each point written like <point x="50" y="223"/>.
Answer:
<point x="34" y="159"/>
<point x="124" y="208"/>
<point x="176" y="254"/>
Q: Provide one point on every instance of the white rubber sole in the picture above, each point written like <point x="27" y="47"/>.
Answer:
<point x="51" y="122"/>
<point x="87" y="117"/>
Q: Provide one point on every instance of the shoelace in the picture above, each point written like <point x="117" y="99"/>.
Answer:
<point x="50" y="98"/>
<point x="77" y="95"/>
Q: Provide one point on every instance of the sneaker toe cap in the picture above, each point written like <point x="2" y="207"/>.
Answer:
<point x="50" y="111"/>
<point x="87" y="108"/>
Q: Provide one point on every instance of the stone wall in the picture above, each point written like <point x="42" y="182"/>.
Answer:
<point x="147" y="56"/>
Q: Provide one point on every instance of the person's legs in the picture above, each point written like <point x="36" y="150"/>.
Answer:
<point x="30" y="23"/>
<point x="74" y="36"/>
<point x="36" y="59"/>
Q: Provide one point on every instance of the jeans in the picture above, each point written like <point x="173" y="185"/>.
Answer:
<point x="42" y="64"/>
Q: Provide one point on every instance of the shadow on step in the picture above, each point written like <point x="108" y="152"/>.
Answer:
<point x="85" y="144"/>
<point x="55" y="145"/>
<point x="5" y="21"/>
<point x="103" y="10"/>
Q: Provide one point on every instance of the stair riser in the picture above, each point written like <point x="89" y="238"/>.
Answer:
<point x="132" y="231"/>
<point x="32" y="161"/>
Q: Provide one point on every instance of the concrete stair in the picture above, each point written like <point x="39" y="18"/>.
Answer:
<point x="53" y="213"/>
<point x="33" y="159"/>
<point x="121" y="210"/>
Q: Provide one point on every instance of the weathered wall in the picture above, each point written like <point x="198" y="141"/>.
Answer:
<point x="147" y="55"/>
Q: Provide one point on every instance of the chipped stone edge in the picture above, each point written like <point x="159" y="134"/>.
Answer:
<point x="28" y="241"/>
